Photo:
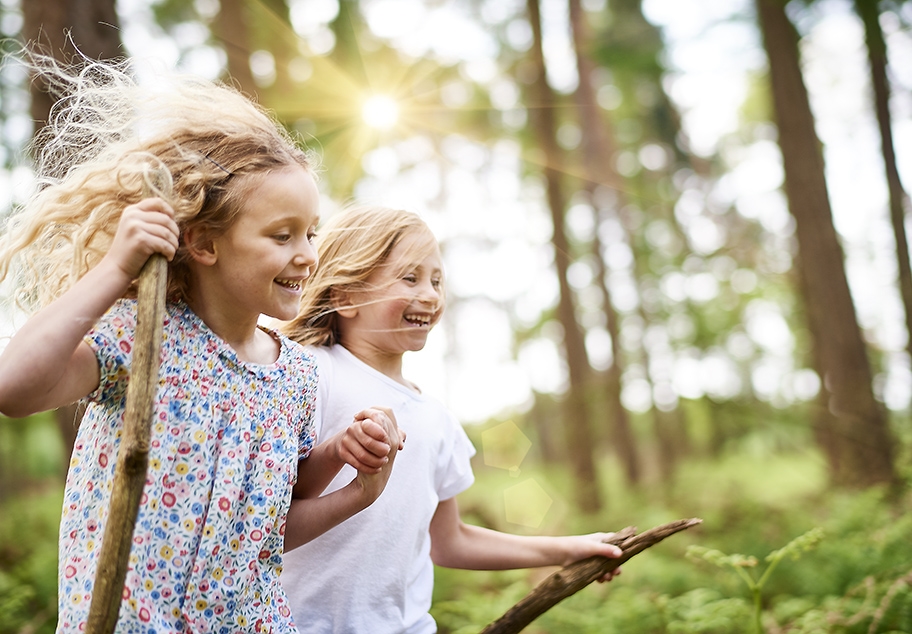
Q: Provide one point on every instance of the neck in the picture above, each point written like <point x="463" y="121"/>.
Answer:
<point x="383" y="362"/>
<point x="240" y="332"/>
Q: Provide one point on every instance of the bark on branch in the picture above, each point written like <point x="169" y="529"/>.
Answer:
<point x="578" y="575"/>
<point x="133" y="455"/>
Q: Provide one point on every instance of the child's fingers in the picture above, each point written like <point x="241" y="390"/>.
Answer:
<point x="365" y="446"/>
<point x="158" y="217"/>
<point x="145" y="228"/>
<point x="384" y="417"/>
<point x="609" y="575"/>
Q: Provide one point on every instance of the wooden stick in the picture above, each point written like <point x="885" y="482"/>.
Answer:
<point x="133" y="455"/>
<point x="573" y="578"/>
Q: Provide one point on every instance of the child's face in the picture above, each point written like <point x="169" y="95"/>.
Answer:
<point x="404" y="302"/>
<point x="266" y="255"/>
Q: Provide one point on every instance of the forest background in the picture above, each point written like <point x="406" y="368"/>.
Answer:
<point x="678" y="277"/>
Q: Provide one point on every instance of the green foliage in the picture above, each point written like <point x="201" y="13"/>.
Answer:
<point x="28" y="562"/>
<point x="856" y="580"/>
<point x="743" y="564"/>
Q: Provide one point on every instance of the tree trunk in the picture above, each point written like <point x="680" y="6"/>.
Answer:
<point x="877" y="59"/>
<point x="92" y="27"/>
<point x="579" y="433"/>
<point x="231" y="30"/>
<point x="60" y="28"/>
<point x="598" y="170"/>
<point x="862" y="431"/>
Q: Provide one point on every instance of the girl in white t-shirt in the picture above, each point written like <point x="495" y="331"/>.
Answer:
<point x="376" y="295"/>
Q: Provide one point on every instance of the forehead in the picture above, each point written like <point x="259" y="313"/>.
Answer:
<point x="417" y="247"/>
<point x="286" y="194"/>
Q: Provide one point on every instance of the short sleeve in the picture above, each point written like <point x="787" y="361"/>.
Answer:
<point x="321" y="372"/>
<point x="454" y="471"/>
<point x="306" y="369"/>
<point x="111" y="339"/>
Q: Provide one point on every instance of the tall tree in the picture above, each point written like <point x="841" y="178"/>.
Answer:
<point x="898" y="198"/>
<point x="599" y="170"/>
<point x="542" y="106"/>
<point x="862" y="436"/>
<point x="232" y="30"/>
<point x="70" y="31"/>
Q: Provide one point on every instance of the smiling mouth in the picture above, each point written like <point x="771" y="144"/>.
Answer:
<point x="294" y="285"/>
<point x="418" y="320"/>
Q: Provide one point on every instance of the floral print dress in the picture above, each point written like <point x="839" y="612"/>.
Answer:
<point x="226" y="439"/>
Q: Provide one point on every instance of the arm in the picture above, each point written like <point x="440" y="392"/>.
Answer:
<point x="455" y="544"/>
<point x="370" y="445"/>
<point x="47" y="364"/>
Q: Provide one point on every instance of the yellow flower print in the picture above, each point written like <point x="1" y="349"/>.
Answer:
<point x="242" y="621"/>
<point x="166" y="552"/>
<point x="155" y="464"/>
<point x="188" y="525"/>
<point x="201" y="605"/>
<point x="199" y="435"/>
<point x="148" y="584"/>
<point x="217" y="574"/>
<point x="182" y="468"/>
<point x="235" y="544"/>
<point x="208" y="531"/>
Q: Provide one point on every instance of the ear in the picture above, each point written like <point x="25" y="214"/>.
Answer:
<point x="342" y="302"/>
<point x="200" y="245"/>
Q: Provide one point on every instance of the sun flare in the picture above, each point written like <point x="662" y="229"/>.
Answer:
<point x="380" y="111"/>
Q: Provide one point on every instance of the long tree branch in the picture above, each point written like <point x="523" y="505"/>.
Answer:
<point x="573" y="578"/>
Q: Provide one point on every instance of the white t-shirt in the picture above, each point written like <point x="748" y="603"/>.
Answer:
<point x="373" y="573"/>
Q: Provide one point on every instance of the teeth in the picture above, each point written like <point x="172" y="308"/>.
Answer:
<point x="289" y="284"/>
<point x="421" y="320"/>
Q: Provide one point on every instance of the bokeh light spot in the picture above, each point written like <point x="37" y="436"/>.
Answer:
<point x="526" y="503"/>
<point x="505" y="447"/>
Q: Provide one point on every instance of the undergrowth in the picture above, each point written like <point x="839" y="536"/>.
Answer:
<point x="853" y="575"/>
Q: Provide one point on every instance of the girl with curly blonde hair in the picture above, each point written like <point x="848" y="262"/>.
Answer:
<point x="195" y="171"/>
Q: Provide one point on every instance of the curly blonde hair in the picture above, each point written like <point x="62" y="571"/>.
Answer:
<point x="351" y="245"/>
<point x="111" y="142"/>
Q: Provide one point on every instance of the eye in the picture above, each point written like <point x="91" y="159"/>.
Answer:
<point x="436" y="283"/>
<point x="282" y="238"/>
<point x="410" y="277"/>
<point x="311" y="236"/>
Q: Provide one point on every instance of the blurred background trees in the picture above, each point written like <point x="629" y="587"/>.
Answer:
<point x="657" y="291"/>
<point x="643" y="288"/>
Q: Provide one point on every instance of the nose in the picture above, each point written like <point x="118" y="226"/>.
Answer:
<point x="428" y="293"/>
<point x="306" y="255"/>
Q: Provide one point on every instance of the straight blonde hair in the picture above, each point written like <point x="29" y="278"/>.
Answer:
<point x="351" y="245"/>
